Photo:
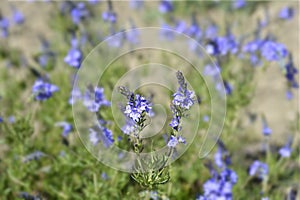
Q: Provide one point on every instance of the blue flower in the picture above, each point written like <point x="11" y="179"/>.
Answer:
<point x="213" y="71"/>
<point x="253" y="46"/>
<point x="173" y="142"/>
<point x="222" y="181"/>
<point x="167" y="32"/>
<point x="166" y="6"/>
<point x="18" y="17"/>
<point x="175" y="122"/>
<point x="180" y="26"/>
<point x="237" y="4"/>
<point x="136" y="4"/>
<point x="205" y="118"/>
<point x="266" y="130"/>
<point x="211" y="32"/>
<point x="75" y="95"/>
<point x="136" y="106"/>
<point x="286" y="150"/>
<point x="46" y="57"/>
<point x="109" y="16"/>
<point x="228" y="87"/>
<point x="286" y="13"/>
<point x="255" y="61"/>
<point x="194" y="30"/>
<point x="4" y="25"/>
<point x="228" y="44"/>
<point x="218" y="158"/>
<point x="117" y="40"/>
<point x="93" y="2"/>
<point x="289" y="95"/>
<point x="273" y="51"/>
<point x="132" y="35"/>
<point x="104" y="176"/>
<point x="229" y="175"/>
<point x="101" y="134"/>
<point x="183" y="98"/>
<point x="34" y="156"/>
<point x="74" y="58"/>
<point x="212" y="48"/>
<point x="67" y="128"/>
<point x="220" y="186"/>
<point x="290" y="71"/>
<point x="221" y="157"/>
<point x="93" y="137"/>
<point x="259" y="169"/>
<point x="95" y="99"/>
<point x="79" y="12"/>
<point x="129" y="127"/>
<point x="43" y="90"/>
<point x="1" y="119"/>
<point x="11" y="119"/>
<point x="222" y="45"/>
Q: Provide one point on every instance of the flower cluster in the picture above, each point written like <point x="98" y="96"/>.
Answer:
<point x="109" y="15"/>
<point x="273" y="51"/>
<point x="137" y="106"/>
<point x="175" y="140"/>
<point x="259" y="169"/>
<point x="183" y="98"/>
<point x="219" y="186"/>
<point x="74" y="56"/>
<point x="166" y="6"/>
<point x="43" y="90"/>
<point x="94" y="99"/>
<point x="103" y="134"/>
<point x="182" y="101"/>
<point x="78" y="12"/>
<point x="222" y="45"/>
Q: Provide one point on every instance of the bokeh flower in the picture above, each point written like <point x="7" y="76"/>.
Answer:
<point x="259" y="169"/>
<point x="94" y="99"/>
<point x="18" y="16"/>
<point x="286" y="13"/>
<point x="286" y="150"/>
<point x="67" y="128"/>
<point x="102" y="134"/>
<point x="43" y="90"/>
<point x="165" y="6"/>
<point x="4" y="25"/>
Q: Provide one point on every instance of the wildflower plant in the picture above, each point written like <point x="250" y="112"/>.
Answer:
<point x="137" y="111"/>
